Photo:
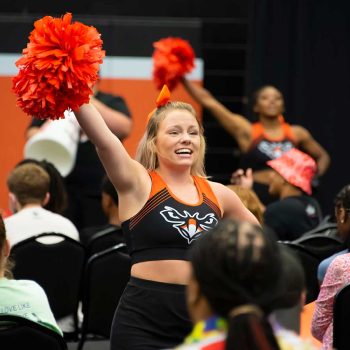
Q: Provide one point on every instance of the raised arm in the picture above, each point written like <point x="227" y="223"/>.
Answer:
<point x="125" y="173"/>
<point x="235" y="124"/>
<point x="231" y="204"/>
<point x="312" y="147"/>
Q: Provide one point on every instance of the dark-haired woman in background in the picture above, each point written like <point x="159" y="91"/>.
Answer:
<point x="264" y="140"/>
<point x="236" y="282"/>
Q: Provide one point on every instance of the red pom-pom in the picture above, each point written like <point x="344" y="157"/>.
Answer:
<point x="172" y="59"/>
<point x="58" y="68"/>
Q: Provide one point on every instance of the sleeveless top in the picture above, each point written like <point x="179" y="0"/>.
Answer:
<point x="264" y="148"/>
<point x="166" y="227"/>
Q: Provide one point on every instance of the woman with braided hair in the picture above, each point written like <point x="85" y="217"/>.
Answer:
<point x="236" y="282"/>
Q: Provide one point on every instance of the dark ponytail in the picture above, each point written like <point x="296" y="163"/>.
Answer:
<point x="250" y="331"/>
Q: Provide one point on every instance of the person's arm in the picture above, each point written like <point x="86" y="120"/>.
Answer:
<point x="119" y="123"/>
<point x="126" y="174"/>
<point x="335" y="279"/>
<point x="235" y="124"/>
<point x="312" y="147"/>
<point x="231" y="205"/>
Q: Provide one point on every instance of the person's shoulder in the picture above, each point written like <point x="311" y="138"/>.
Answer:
<point x="27" y="285"/>
<point x="300" y="132"/>
<point x="288" y="340"/>
<point x="341" y="261"/>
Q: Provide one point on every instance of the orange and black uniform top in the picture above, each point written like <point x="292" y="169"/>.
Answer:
<point x="264" y="148"/>
<point x="166" y="227"/>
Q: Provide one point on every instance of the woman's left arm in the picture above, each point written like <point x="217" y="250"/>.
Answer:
<point x="312" y="147"/>
<point x="335" y="279"/>
<point x="231" y="205"/>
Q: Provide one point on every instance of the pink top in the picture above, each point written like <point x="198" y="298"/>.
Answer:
<point x="337" y="276"/>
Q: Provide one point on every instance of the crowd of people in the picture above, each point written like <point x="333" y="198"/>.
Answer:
<point x="208" y="267"/>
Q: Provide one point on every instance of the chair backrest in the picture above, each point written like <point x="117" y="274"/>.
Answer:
<point x="341" y="319"/>
<point x="57" y="268"/>
<point x="310" y="264"/>
<point x="105" y="278"/>
<point x="104" y="239"/>
<point x="326" y="228"/>
<point x="321" y="245"/>
<point x="18" y="333"/>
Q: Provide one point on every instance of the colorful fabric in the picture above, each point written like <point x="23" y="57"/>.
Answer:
<point x="337" y="276"/>
<point x="206" y="335"/>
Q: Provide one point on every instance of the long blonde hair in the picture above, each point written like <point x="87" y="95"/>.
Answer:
<point x="146" y="152"/>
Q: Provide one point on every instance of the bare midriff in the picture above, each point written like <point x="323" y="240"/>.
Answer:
<point x="167" y="271"/>
<point x="262" y="176"/>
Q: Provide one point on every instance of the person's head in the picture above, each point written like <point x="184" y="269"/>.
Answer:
<point x="342" y="213"/>
<point x="250" y="200"/>
<point x="109" y="197"/>
<point x="268" y="102"/>
<point x="294" y="168"/>
<point x="173" y="137"/>
<point x="28" y="184"/>
<point x="5" y="264"/>
<point x="58" y="194"/>
<point x="236" y="272"/>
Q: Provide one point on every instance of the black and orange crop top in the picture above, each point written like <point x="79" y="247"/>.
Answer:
<point x="264" y="148"/>
<point x="166" y="227"/>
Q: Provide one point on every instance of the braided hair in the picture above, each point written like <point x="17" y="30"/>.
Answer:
<point x="238" y="268"/>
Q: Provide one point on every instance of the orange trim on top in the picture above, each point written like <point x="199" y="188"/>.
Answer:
<point x="157" y="183"/>
<point x="205" y="188"/>
<point x="258" y="132"/>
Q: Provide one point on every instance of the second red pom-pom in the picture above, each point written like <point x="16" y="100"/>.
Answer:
<point x="172" y="59"/>
<point x="58" y="68"/>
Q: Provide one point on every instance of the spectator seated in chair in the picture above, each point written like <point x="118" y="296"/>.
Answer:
<point x="22" y="297"/>
<point x="28" y="186"/>
<point x="342" y="209"/>
<point x="109" y="204"/>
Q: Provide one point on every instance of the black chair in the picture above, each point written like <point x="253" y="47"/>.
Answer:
<point x="327" y="228"/>
<point x="341" y="319"/>
<point x="310" y="264"/>
<point x="105" y="278"/>
<point x="104" y="239"/>
<point x="57" y="268"/>
<point x="321" y="245"/>
<point x="18" y="333"/>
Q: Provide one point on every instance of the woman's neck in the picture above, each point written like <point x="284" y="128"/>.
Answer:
<point x="269" y="122"/>
<point x="175" y="176"/>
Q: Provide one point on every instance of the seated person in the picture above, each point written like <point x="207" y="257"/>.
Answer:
<point x="58" y="194"/>
<point x="295" y="212"/>
<point x="342" y="209"/>
<point x="28" y="186"/>
<point x="109" y="204"/>
<point x="337" y="276"/>
<point x="236" y="282"/>
<point x="22" y="297"/>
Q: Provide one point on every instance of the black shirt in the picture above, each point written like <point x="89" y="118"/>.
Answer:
<point x="292" y="216"/>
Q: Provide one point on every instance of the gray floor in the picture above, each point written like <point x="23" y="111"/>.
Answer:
<point x="91" y="345"/>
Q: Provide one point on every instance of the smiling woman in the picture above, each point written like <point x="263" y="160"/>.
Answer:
<point x="165" y="204"/>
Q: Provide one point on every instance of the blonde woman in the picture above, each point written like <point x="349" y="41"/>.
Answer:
<point x="165" y="205"/>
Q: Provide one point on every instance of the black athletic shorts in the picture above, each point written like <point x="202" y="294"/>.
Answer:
<point x="150" y="315"/>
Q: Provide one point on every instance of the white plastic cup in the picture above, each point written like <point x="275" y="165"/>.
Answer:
<point x="57" y="142"/>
